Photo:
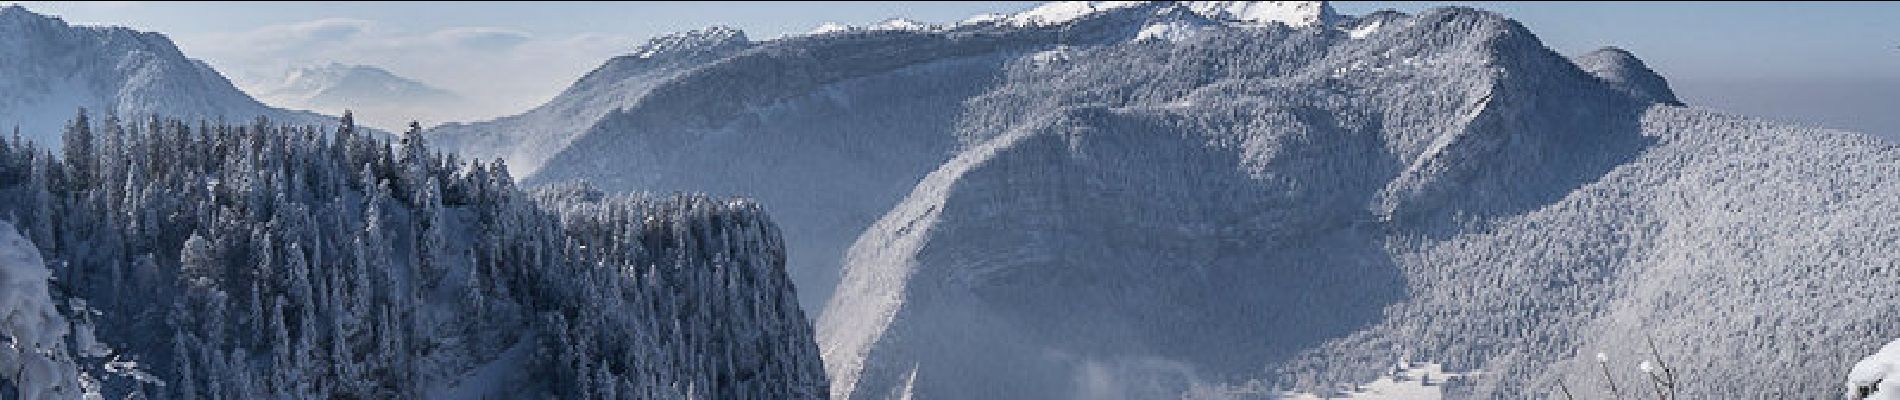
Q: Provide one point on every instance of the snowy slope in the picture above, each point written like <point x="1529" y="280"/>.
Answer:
<point x="830" y="130"/>
<point x="374" y="95"/>
<point x="527" y="140"/>
<point x="52" y="69"/>
<point x="35" y="363"/>
<point x="1141" y="199"/>
<point x="1254" y="209"/>
<point x="1239" y="13"/>
<point x="827" y="131"/>
<point x="1624" y="71"/>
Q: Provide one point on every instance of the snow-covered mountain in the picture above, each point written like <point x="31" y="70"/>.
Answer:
<point x="52" y="69"/>
<point x="377" y="97"/>
<point x="1243" y="211"/>
<point x="833" y="128"/>
<point x="840" y="124"/>
<point x="1627" y="73"/>
<point x="196" y="261"/>
<point x="525" y="141"/>
<point x="1141" y="199"/>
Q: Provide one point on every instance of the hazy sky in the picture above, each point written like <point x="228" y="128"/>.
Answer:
<point x="511" y="56"/>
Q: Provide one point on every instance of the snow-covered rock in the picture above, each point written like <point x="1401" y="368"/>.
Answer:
<point x="1297" y="14"/>
<point x="828" y="27"/>
<point x="1060" y="12"/>
<point x="51" y="69"/>
<point x="1370" y="24"/>
<point x="893" y="24"/>
<point x="33" y="356"/>
<point x="900" y="24"/>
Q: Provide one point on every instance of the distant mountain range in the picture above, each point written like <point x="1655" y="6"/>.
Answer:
<point x="51" y="69"/>
<point x="380" y="98"/>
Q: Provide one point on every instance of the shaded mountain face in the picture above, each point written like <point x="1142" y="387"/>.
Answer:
<point x="376" y="96"/>
<point x="1143" y="218"/>
<point x="526" y="141"/>
<point x="52" y="69"/>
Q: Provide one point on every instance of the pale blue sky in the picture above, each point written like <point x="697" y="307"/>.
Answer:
<point x="546" y="45"/>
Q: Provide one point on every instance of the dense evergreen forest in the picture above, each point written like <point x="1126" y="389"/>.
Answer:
<point x="267" y="261"/>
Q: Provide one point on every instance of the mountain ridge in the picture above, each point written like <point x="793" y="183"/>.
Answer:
<point x="1138" y="200"/>
<point x="525" y="140"/>
<point x="59" y="68"/>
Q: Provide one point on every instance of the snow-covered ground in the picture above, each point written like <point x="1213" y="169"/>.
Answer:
<point x="33" y="334"/>
<point x="1421" y="381"/>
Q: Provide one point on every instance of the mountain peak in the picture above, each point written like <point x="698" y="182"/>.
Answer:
<point x="900" y="24"/>
<point x="1627" y="73"/>
<point x="13" y="13"/>
<point x="54" y="67"/>
<point x="713" y="37"/>
<point x="1298" y="14"/>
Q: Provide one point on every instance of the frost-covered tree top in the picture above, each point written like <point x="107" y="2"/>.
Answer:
<point x="1876" y="377"/>
<point x="1626" y="72"/>
<point x="266" y="261"/>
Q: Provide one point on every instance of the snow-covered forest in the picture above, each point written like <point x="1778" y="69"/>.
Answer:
<point x="268" y="261"/>
<point x="1081" y="200"/>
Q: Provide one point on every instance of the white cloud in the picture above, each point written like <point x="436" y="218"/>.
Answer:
<point x="301" y="36"/>
<point x="481" y="38"/>
<point x="501" y="70"/>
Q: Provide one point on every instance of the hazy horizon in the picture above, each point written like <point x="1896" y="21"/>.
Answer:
<point x="1751" y="58"/>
